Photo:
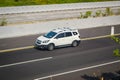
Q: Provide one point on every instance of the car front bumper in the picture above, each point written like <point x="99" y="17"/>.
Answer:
<point x="41" y="46"/>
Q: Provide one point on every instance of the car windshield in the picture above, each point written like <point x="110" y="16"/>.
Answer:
<point x="50" y="34"/>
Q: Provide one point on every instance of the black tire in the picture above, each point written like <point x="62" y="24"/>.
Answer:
<point x="75" y="43"/>
<point x="50" y="47"/>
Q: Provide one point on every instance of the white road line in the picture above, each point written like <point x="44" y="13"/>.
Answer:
<point x="30" y="61"/>
<point x="90" y="67"/>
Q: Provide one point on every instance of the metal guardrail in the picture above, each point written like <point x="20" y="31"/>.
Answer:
<point x="44" y="8"/>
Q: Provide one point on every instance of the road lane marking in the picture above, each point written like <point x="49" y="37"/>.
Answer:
<point x="30" y="61"/>
<point x="16" y="49"/>
<point x="29" y="47"/>
<point x="82" y="69"/>
<point x="99" y="37"/>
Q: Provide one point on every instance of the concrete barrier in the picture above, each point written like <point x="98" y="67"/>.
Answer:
<point x="42" y="27"/>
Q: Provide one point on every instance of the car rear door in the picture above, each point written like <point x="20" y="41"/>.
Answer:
<point x="68" y="38"/>
<point x="59" y="39"/>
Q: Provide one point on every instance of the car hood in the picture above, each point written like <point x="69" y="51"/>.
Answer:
<point x="42" y="38"/>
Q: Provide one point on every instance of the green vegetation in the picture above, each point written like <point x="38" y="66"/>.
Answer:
<point x="41" y="2"/>
<point x="3" y="22"/>
<point x="116" y="52"/>
<point x="116" y="39"/>
<point x="99" y="13"/>
<point x="88" y="14"/>
<point x="109" y="11"/>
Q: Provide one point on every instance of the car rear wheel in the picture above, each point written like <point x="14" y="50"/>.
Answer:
<point x="50" y="47"/>
<point x="74" y="43"/>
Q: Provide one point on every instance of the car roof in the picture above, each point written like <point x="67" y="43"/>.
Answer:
<point x="60" y="30"/>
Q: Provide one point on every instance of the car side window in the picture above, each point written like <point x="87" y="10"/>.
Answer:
<point x="60" y="35"/>
<point x="68" y="34"/>
<point x="75" y="33"/>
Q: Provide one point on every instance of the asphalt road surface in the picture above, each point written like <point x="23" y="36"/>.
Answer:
<point x="29" y="40"/>
<point x="30" y="64"/>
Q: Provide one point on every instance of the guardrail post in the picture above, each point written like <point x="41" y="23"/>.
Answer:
<point x="112" y="30"/>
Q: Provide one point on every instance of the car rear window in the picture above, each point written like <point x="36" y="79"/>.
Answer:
<point x="75" y="33"/>
<point x="68" y="34"/>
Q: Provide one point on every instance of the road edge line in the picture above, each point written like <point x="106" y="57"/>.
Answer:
<point x="99" y="37"/>
<point x="15" y="49"/>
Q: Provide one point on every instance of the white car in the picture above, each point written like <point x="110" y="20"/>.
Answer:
<point x="58" y="38"/>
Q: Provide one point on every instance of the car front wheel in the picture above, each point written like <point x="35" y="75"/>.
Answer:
<point x="50" y="47"/>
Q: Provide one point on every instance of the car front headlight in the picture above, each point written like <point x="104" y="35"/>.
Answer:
<point x="45" y="41"/>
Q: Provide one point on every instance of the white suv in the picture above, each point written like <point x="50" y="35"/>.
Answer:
<point x="58" y="38"/>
